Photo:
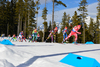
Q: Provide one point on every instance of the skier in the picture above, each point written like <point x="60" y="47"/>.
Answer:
<point x="2" y="36"/>
<point x="74" y="32"/>
<point x="34" y="34"/>
<point x="64" y="33"/>
<point x="23" y="38"/>
<point x="30" y="38"/>
<point x="20" y="36"/>
<point x="38" y="37"/>
<point x="9" y="37"/>
<point x="13" y="37"/>
<point x="50" y="35"/>
<point x="54" y="33"/>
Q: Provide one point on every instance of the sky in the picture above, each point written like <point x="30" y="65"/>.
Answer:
<point x="72" y="6"/>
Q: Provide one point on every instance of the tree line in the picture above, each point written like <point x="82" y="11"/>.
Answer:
<point x="18" y="15"/>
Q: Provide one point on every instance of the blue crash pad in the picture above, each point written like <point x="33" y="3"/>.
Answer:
<point x="79" y="61"/>
<point x="6" y="42"/>
<point x="89" y="42"/>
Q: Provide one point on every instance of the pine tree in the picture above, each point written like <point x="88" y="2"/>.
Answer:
<point x="98" y="20"/>
<point x="49" y="27"/>
<point x="83" y="10"/>
<point x="8" y="13"/>
<point x="95" y="39"/>
<point x="45" y="31"/>
<point x="75" y="19"/>
<point x="44" y="15"/>
<point x="8" y="25"/>
<point x="31" y="25"/>
<point x="3" y="17"/>
<point x="64" y="20"/>
<point x="25" y="24"/>
<point x="57" y="3"/>
<point x="91" y="30"/>
<point x="19" y="14"/>
<point x="64" y="23"/>
<point x="91" y="27"/>
<point x="37" y="3"/>
<point x="12" y="17"/>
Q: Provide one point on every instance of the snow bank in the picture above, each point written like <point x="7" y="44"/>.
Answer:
<point x="5" y="63"/>
<point x="40" y="54"/>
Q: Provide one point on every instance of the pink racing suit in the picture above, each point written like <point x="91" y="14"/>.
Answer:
<point x="74" y="32"/>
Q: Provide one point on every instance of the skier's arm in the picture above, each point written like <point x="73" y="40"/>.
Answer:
<point x="62" y="30"/>
<point x="78" y="32"/>
<point x="32" y="32"/>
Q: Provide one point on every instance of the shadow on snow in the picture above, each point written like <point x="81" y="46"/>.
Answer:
<point x="33" y="59"/>
<point x="30" y="45"/>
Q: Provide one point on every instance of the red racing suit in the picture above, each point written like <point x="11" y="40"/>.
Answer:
<point x="74" y="32"/>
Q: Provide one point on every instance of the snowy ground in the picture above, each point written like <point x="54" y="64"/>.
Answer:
<point x="25" y="54"/>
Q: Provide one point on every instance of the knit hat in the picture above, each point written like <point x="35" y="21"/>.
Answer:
<point x="65" y="27"/>
<point x="79" y="26"/>
<point x="56" y="28"/>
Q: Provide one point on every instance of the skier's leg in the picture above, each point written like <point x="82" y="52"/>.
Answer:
<point x="69" y="36"/>
<point x="63" y="36"/>
<point x="75" y="37"/>
<point x="11" y="38"/>
<point x="25" y="39"/>
<point x="48" y="36"/>
<point x="52" y="38"/>
<point x="22" y="39"/>
<point x="35" y="37"/>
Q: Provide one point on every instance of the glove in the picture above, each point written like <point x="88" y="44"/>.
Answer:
<point x="79" y="32"/>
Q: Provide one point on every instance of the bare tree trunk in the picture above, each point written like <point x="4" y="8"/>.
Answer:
<point x="28" y="23"/>
<point x="21" y="25"/>
<point x="18" y="25"/>
<point x="44" y="27"/>
<point x="36" y="20"/>
<point x="43" y="33"/>
<point x="25" y="27"/>
<point x="7" y="28"/>
<point x="83" y="29"/>
<point x="43" y="36"/>
<point x="84" y="33"/>
<point x="45" y="3"/>
<point x="53" y="15"/>
<point x="28" y="18"/>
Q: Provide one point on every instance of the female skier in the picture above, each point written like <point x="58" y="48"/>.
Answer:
<point x="74" y="32"/>
<point x="55" y="33"/>
<point x="13" y="37"/>
<point x="23" y="38"/>
<point x="34" y="34"/>
<point x="20" y="36"/>
<point x="64" y="33"/>
<point x="52" y="33"/>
